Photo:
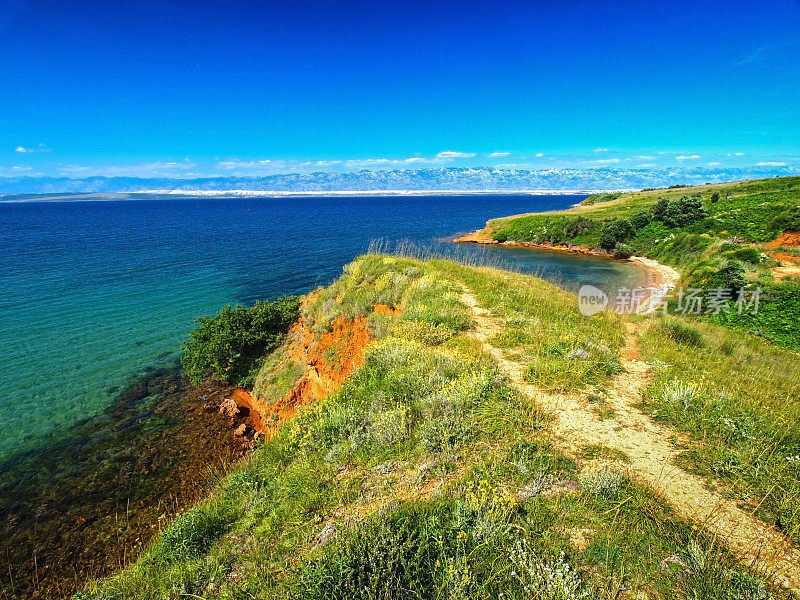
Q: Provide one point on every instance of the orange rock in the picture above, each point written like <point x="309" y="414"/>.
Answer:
<point x="229" y="408"/>
<point x="346" y="343"/>
<point x="788" y="239"/>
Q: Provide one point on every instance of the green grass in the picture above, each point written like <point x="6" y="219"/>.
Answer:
<point x="440" y="477"/>
<point x="738" y="398"/>
<point x="722" y="249"/>
<point x="541" y="325"/>
<point x="276" y="377"/>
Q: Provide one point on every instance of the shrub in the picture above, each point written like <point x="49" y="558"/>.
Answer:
<point x="749" y="254"/>
<point x="623" y="251"/>
<point x="680" y="213"/>
<point x="731" y="275"/>
<point x="387" y="426"/>
<point x="699" y="576"/>
<point x="605" y="484"/>
<point x="443" y="434"/>
<point x="682" y="394"/>
<point x="544" y="577"/>
<point x="660" y="208"/>
<point x="641" y="219"/>
<point x="230" y="346"/>
<point x="428" y="333"/>
<point x="615" y="232"/>
<point x="578" y="226"/>
<point x="681" y="332"/>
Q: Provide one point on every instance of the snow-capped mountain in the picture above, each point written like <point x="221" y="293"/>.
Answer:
<point x="474" y="179"/>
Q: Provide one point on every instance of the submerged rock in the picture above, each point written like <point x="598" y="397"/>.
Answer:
<point x="229" y="408"/>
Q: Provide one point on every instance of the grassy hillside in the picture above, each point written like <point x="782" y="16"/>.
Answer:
<point x="428" y="474"/>
<point x="738" y="400"/>
<point x="723" y="236"/>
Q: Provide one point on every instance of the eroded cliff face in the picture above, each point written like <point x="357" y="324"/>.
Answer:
<point x="313" y="362"/>
<point x="327" y="360"/>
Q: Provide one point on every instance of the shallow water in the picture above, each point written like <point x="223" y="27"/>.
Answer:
<point x="95" y="299"/>
<point x="93" y="292"/>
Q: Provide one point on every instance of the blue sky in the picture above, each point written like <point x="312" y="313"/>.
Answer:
<point x="191" y="89"/>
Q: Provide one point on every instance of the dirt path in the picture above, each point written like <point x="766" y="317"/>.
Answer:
<point x="652" y="455"/>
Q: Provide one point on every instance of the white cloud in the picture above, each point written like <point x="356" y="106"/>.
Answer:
<point x="714" y="163"/>
<point x="371" y="162"/>
<point x="29" y="150"/>
<point x="600" y="150"/>
<point x="539" y="154"/>
<point x="235" y="163"/>
<point x="606" y="161"/>
<point x="765" y="52"/>
<point x="19" y="171"/>
<point x="770" y="163"/>
<point x="687" y="157"/>
<point x="735" y="154"/>
<point x="150" y="169"/>
<point x="414" y="159"/>
<point x="499" y="154"/>
<point x="449" y="154"/>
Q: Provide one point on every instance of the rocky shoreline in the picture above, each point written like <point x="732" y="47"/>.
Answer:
<point x="90" y="502"/>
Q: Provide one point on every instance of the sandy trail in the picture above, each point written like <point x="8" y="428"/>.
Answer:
<point x="652" y="455"/>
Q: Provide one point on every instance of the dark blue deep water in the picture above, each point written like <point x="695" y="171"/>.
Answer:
<point x="93" y="293"/>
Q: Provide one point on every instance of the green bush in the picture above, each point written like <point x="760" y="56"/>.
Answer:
<point x="777" y="317"/>
<point x="749" y="254"/>
<point x="615" y="232"/>
<point x="605" y="484"/>
<point x="578" y="226"/>
<point x="426" y="332"/>
<point x="641" y="219"/>
<point x="681" y="332"/>
<point x="230" y="346"/>
<point x="623" y="251"/>
<point x="680" y="213"/>
<point x="731" y="276"/>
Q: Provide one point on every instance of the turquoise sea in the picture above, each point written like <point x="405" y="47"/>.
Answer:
<point x="96" y="297"/>
<point x="93" y="293"/>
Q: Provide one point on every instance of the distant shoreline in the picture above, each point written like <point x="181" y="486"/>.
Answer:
<point x="141" y="194"/>
<point x="278" y="193"/>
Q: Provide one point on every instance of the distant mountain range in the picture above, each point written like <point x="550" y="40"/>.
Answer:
<point x="475" y="178"/>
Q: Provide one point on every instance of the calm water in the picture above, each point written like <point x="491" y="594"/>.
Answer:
<point x="93" y="293"/>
